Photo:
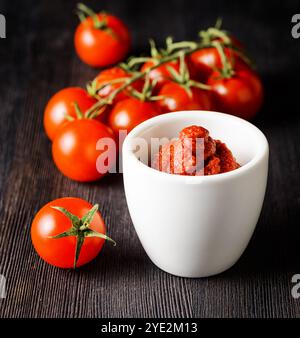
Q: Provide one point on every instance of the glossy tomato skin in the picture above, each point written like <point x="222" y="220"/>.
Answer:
<point x="176" y="98"/>
<point x="101" y="48"/>
<point x="50" y="222"/>
<point x="62" y="104"/>
<point x="74" y="149"/>
<point x="241" y="95"/>
<point x="130" y="112"/>
<point x="205" y="61"/>
<point x="108" y="75"/>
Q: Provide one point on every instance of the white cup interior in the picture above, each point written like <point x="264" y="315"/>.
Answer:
<point x="244" y="139"/>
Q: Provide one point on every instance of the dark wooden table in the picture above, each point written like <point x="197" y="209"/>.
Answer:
<point x="37" y="59"/>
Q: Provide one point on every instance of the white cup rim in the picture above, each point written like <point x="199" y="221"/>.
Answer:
<point x="135" y="132"/>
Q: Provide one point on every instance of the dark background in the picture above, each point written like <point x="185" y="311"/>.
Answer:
<point x="37" y="59"/>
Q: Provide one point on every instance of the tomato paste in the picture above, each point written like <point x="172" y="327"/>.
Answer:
<point x="194" y="153"/>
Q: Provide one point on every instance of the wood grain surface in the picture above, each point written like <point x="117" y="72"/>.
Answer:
<point x="37" y="59"/>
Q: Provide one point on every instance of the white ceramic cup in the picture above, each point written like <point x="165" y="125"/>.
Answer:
<point x="197" y="226"/>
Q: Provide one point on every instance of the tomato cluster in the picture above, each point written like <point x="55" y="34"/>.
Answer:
<point x="211" y="74"/>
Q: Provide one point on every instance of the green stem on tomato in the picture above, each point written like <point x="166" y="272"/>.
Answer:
<point x="135" y="61"/>
<point x="84" y="11"/>
<point x="78" y="111"/>
<point x="80" y="229"/>
<point x="139" y="75"/>
<point x="182" y="45"/>
<point x="227" y="69"/>
<point x="175" y="51"/>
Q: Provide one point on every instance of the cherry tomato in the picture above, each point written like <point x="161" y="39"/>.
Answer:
<point x="74" y="149"/>
<point x="240" y="95"/>
<point x="130" y="112"/>
<point x="113" y="74"/>
<point x="160" y="74"/>
<point x="103" y="46"/>
<point x="175" y="98"/>
<point x="50" y="222"/>
<point x="62" y="104"/>
<point x="206" y="60"/>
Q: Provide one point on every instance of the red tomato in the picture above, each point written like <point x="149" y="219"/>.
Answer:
<point x="176" y="98"/>
<point x="74" y="149"/>
<point x="50" y="222"/>
<point x="241" y="95"/>
<point x="62" y="104"/>
<point x="112" y="74"/>
<point x="101" y="47"/>
<point x="130" y="112"/>
<point x="206" y="60"/>
<point x="161" y="74"/>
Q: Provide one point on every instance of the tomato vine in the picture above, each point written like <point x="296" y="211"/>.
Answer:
<point x="212" y="37"/>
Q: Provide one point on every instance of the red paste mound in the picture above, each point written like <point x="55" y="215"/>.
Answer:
<point x="194" y="153"/>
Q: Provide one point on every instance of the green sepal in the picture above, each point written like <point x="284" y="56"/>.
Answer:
<point x="88" y="217"/>
<point x="74" y="219"/>
<point x="79" y="243"/>
<point x="93" y="233"/>
<point x="70" y="232"/>
<point x="80" y="229"/>
<point x="91" y="88"/>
